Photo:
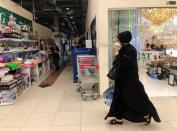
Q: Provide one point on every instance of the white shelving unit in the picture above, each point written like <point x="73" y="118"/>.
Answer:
<point x="17" y="40"/>
<point x="15" y="51"/>
<point x="12" y="97"/>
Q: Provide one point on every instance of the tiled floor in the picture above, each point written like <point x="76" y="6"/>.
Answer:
<point x="59" y="108"/>
<point x="155" y="87"/>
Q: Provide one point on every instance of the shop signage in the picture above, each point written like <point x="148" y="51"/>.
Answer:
<point x="171" y="3"/>
<point x="4" y="18"/>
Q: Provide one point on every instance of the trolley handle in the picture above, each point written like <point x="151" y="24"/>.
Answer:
<point x="88" y="66"/>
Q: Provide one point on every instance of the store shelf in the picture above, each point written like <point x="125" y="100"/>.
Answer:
<point x="24" y="51"/>
<point x="26" y="90"/>
<point x="5" y="104"/>
<point x="7" y="83"/>
<point x="17" y="40"/>
<point x="27" y="87"/>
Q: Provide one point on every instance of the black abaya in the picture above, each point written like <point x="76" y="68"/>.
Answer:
<point x="130" y="100"/>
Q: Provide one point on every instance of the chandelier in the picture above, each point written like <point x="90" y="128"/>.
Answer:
<point x="158" y="15"/>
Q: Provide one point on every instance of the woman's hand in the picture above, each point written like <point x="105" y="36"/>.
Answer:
<point x="116" y="48"/>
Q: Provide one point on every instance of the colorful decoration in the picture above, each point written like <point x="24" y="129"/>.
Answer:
<point x="7" y="16"/>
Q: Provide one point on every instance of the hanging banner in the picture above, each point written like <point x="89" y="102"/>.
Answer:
<point x="4" y="18"/>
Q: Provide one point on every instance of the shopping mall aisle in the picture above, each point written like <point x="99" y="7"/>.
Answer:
<point x="59" y="108"/>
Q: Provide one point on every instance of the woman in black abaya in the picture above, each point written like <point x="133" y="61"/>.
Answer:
<point x="130" y="100"/>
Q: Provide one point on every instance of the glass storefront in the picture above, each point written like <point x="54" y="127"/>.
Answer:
<point x="122" y="20"/>
<point x="157" y="26"/>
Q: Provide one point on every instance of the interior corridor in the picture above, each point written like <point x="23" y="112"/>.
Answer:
<point x="60" y="108"/>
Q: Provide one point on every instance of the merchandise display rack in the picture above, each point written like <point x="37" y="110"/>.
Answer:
<point x="29" y="74"/>
<point x="17" y="40"/>
<point x="43" y="69"/>
<point x="24" y="51"/>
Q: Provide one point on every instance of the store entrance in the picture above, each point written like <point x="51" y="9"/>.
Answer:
<point x="154" y="33"/>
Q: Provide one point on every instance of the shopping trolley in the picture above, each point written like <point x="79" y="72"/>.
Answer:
<point x="87" y="76"/>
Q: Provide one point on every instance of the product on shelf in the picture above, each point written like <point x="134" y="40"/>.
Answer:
<point x="2" y="73"/>
<point x="1" y="35"/>
<point x="12" y="66"/>
<point x="7" y="30"/>
<point x="1" y="49"/>
<point x="7" y="78"/>
<point x="2" y="65"/>
<point x="12" y="22"/>
<point x="5" y="59"/>
<point x="8" y="92"/>
<point x="8" y="34"/>
<point x="24" y="28"/>
<point x="18" y="63"/>
<point x="1" y="59"/>
<point x="30" y="63"/>
<point x="20" y="87"/>
<point x="25" y="35"/>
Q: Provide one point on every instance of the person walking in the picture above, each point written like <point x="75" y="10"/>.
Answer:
<point x="130" y="100"/>
<point x="55" y="56"/>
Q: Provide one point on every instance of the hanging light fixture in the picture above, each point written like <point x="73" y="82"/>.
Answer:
<point x="159" y="15"/>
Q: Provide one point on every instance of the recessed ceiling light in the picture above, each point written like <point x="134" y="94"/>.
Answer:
<point x="68" y="12"/>
<point x="73" y="22"/>
<point x="71" y="17"/>
<point x="67" y="8"/>
<point x="35" y="18"/>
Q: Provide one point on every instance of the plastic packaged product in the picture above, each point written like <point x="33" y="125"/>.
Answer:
<point x="1" y="59"/>
<point x="1" y="35"/>
<point x="1" y="49"/>
<point x="17" y="62"/>
<point x="12" y="66"/>
<point x="2" y="73"/>
<point x="108" y="95"/>
<point x="6" y="59"/>
<point x="7" y="78"/>
<point x="2" y="65"/>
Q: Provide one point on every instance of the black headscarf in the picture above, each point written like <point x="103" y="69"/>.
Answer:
<point x="124" y="37"/>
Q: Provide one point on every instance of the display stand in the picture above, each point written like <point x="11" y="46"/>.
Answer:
<point x="172" y="80"/>
<point x="17" y="40"/>
<point x="26" y="76"/>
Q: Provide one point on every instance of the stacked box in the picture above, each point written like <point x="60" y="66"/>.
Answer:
<point x="8" y="92"/>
